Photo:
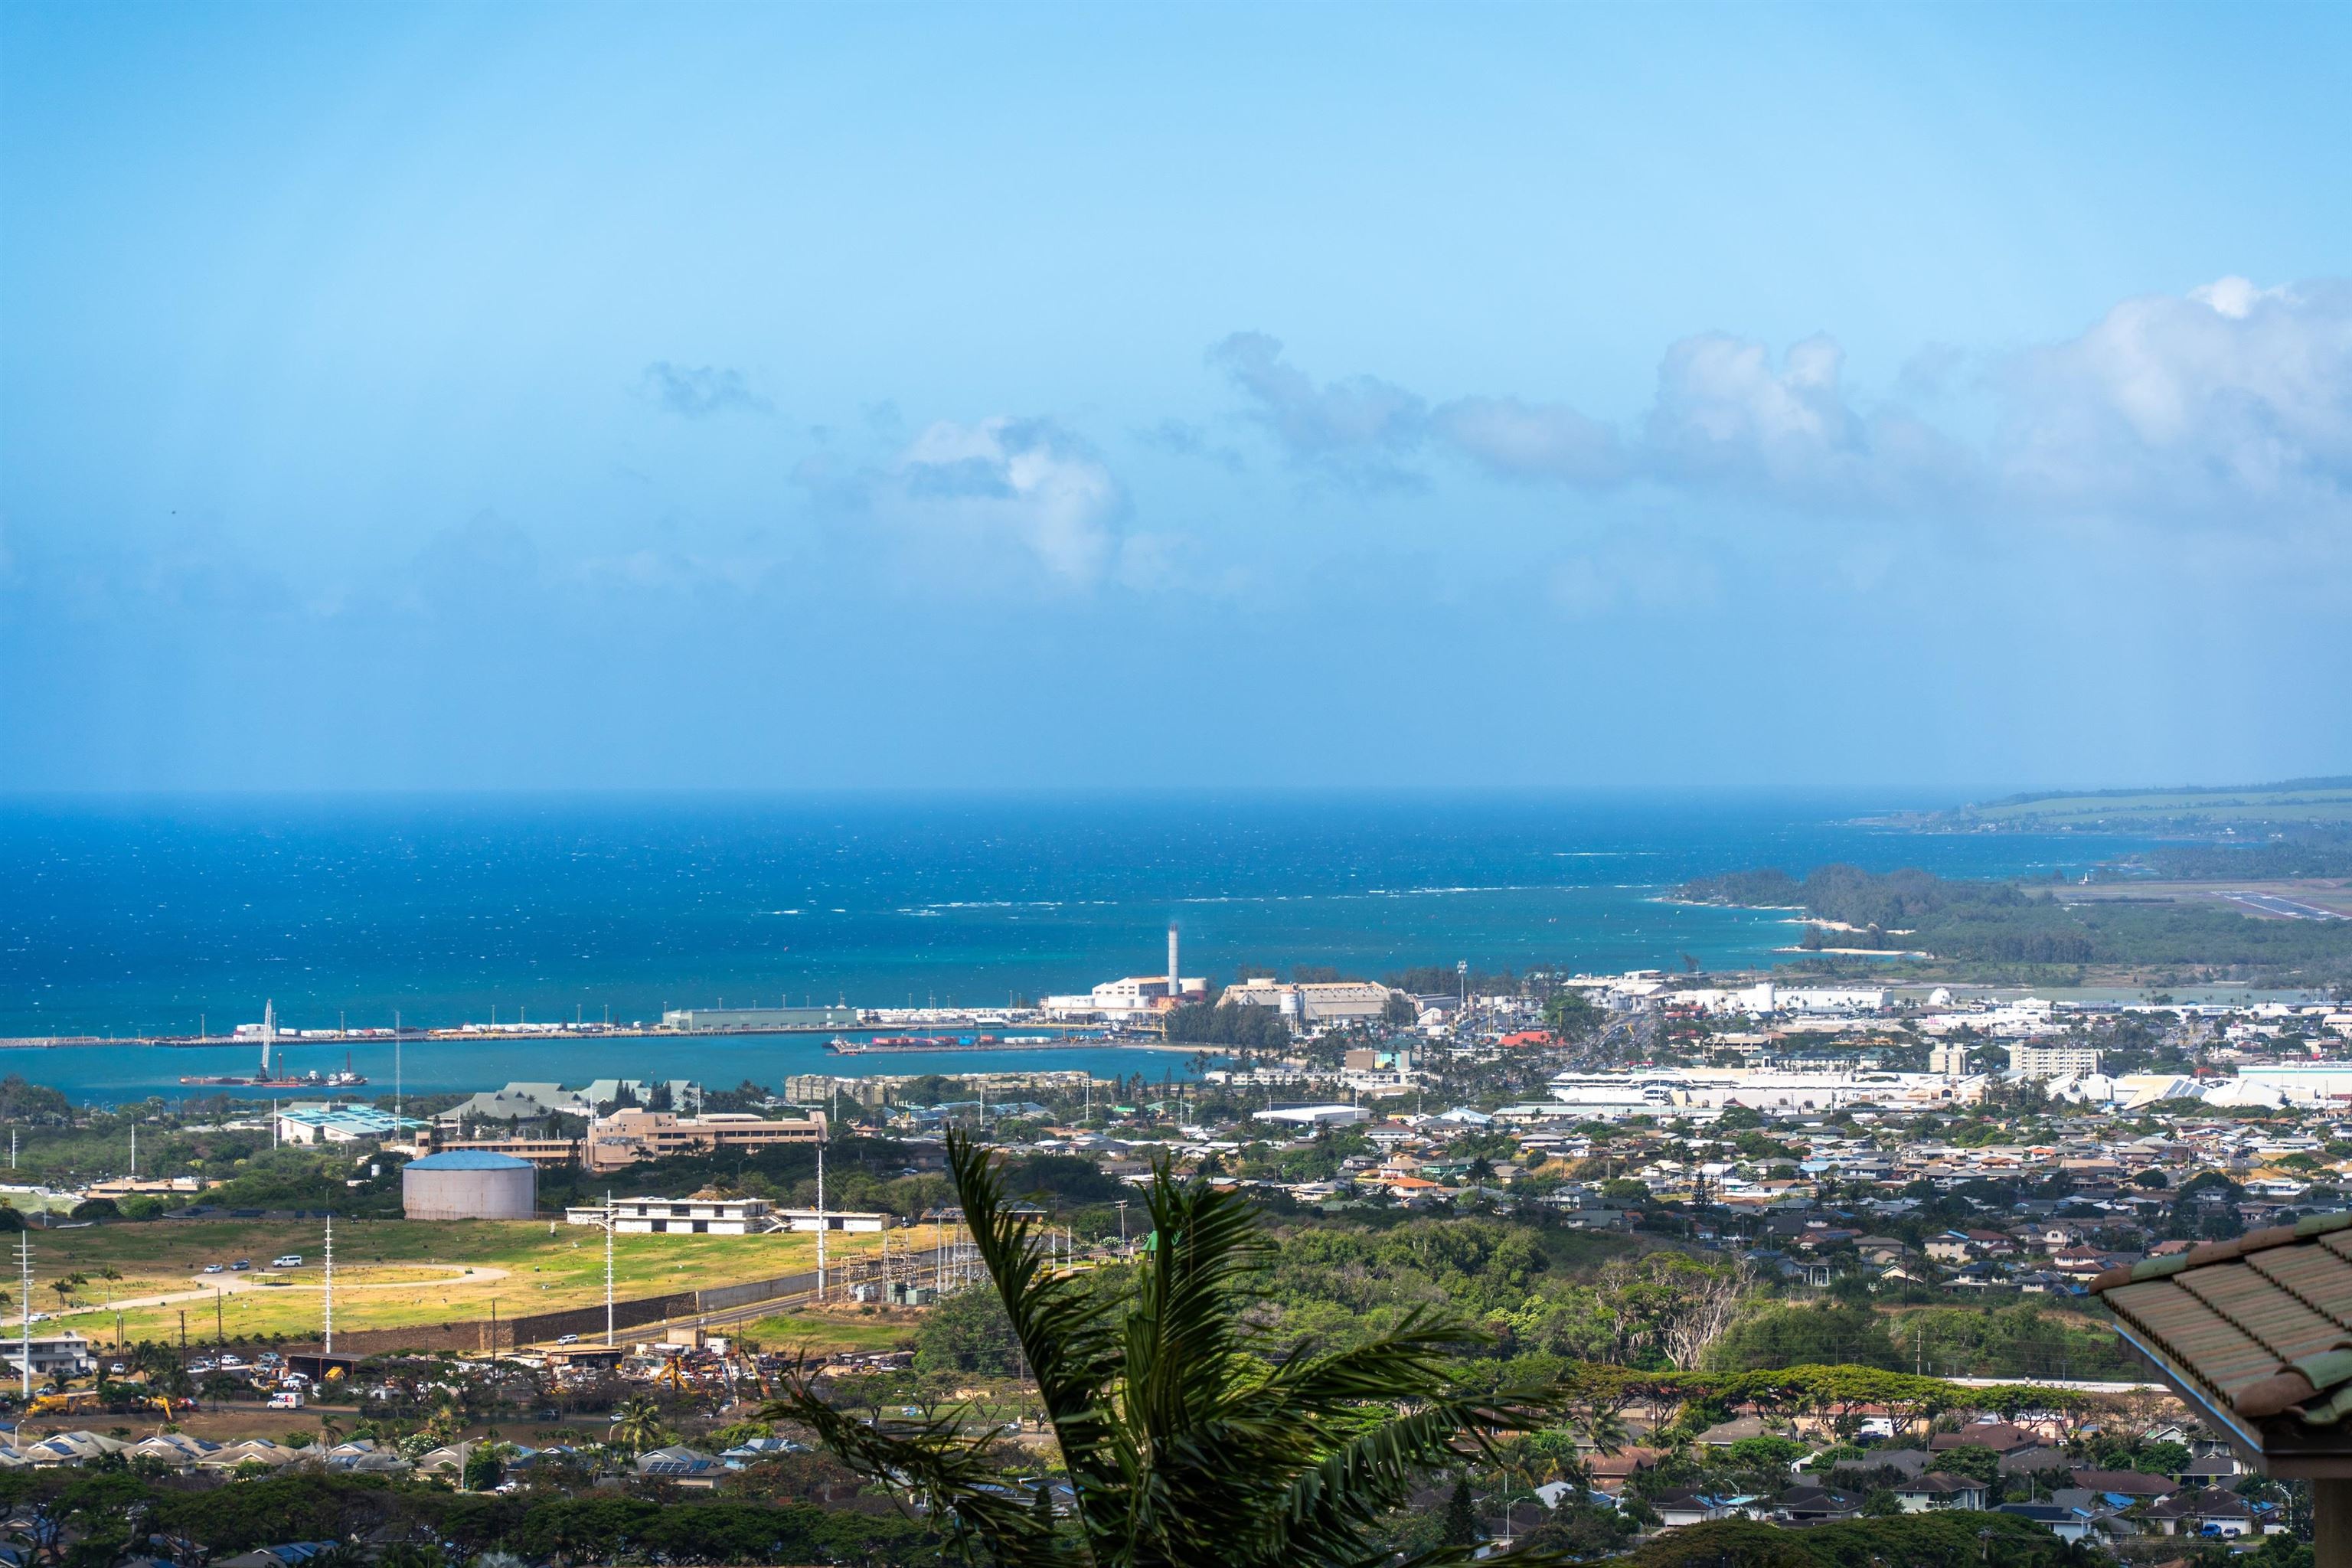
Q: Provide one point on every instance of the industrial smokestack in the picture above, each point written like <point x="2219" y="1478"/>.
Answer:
<point x="1175" y="986"/>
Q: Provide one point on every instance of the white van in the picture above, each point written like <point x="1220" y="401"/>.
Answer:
<point x="286" y="1399"/>
<point x="287" y="1260"/>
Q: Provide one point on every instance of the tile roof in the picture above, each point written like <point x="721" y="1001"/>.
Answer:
<point x="2263" y="1325"/>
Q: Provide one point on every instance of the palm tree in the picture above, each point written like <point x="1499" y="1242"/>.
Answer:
<point x="1188" y="1437"/>
<point x="637" y="1425"/>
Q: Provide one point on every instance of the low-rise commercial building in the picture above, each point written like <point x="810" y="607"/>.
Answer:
<point x="630" y="1135"/>
<point x="679" y="1217"/>
<point x="1313" y="1002"/>
<point x="342" y="1124"/>
<point x="757" y="1020"/>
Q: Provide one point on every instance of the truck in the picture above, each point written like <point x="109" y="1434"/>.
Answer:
<point x="64" y="1402"/>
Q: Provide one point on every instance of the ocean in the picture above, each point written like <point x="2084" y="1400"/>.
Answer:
<point x="145" y="916"/>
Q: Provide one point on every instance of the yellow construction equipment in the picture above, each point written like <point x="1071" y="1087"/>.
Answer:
<point x="65" y="1402"/>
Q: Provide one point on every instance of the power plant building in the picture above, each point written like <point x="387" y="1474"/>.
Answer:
<point x="1133" y="998"/>
<point x="469" y="1183"/>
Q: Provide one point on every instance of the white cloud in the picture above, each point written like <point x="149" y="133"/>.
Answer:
<point x="1541" y="441"/>
<point x="967" y="494"/>
<point x="1356" y="428"/>
<point x="2229" y="398"/>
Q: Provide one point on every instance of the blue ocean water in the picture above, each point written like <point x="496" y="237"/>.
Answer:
<point x="131" y="918"/>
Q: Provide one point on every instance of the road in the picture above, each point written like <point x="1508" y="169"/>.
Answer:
<point x="207" y="1285"/>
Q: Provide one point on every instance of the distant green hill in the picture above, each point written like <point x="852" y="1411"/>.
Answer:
<point x="2199" y="810"/>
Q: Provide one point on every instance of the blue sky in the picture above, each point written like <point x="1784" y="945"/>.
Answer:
<point x="511" y="396"/>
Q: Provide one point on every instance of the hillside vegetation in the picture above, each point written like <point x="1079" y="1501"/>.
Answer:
<point x="2000" y="923"/>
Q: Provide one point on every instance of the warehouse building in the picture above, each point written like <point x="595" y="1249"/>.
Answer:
<point x="757" y="1020"/>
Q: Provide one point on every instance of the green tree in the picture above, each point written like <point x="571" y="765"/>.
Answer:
<point x="1825" y="1335"/>
<point x="1570" y="1013"/>
<point x="1187" y="1438"/>
<point x="1972" y="1460"/>
<point x="1461" y="1515"/>
<point x="967" y="1333"/>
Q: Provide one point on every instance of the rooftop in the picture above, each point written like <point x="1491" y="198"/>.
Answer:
<point x="470" y="1159"/>
<point x="2259" y="1330"/>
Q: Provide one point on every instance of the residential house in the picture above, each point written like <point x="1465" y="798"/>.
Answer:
<point x="2135" y="1484"/>
<point x="1999" y="1436"/>
<point x="684" y="1467"/>
<point x="1687" y="1505"/>
<point x="2212" y="1512"/>
<point x="1912" y="1462"/>
<point x="2068" y="1524"/>
<point x="1739" y="1428"/>
<point x="1815" y="1505"/>
<point x="1937" y="1489"/>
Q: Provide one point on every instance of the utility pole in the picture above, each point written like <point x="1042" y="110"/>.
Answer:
<point x="396" y="1071"/>
<point x="1121" y="1207"/>
<point x="608" y="1266"/>
<point x="25" y="1307"/>
<point x="820" y="1215"/>
<point x="328" y="1335"/>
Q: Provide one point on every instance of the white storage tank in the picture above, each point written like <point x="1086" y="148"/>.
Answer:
<point x="469" y="1183"/>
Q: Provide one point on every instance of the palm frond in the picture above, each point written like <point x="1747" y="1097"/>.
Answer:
<point x="932" y="1460"/>
<point x="1329" y="1507"/>
<point x="1061" y="1322"/>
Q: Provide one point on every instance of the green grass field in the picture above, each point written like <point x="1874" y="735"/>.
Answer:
<point x="388" y="1273"/>
<point x="825" y="1333"/>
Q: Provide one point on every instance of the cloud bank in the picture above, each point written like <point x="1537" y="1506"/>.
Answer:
<point x="2230" y="400"/>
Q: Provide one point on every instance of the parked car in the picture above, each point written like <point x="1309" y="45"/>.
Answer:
<point x="287" y="1260"/>
<point x="240" y="1265"/>
<point x="232" y="1363"/>
<point x="212" y="1267"/>
<point x="567" y="1339"/>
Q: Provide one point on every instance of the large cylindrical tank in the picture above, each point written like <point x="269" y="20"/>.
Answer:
<point x="469" y="1183"/>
